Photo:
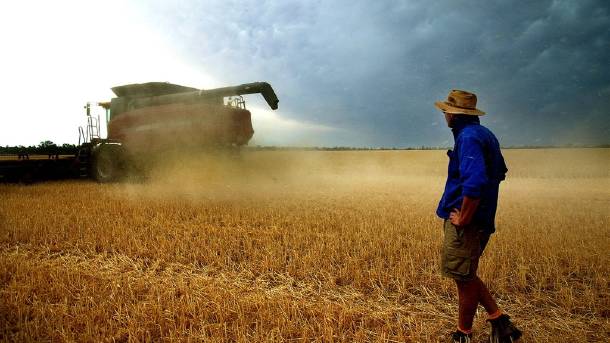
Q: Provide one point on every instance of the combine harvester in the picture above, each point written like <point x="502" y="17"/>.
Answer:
<point x="143" y="120"/>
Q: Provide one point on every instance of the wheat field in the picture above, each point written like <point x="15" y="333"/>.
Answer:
<point x="300" y="246"/>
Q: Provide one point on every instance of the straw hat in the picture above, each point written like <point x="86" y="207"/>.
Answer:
<point x="460" y="102"/>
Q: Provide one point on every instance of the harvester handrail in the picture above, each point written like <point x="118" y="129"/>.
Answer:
<point x="81" y="134"/>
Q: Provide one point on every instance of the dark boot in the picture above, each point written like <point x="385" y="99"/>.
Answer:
<point x="503" y="330"/>
<point x="460" y="337"/>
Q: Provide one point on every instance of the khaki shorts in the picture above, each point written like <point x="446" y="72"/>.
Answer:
<point x="462" y="248"/>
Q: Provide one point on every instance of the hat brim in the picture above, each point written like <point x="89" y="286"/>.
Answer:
<point x="448" y="108"/>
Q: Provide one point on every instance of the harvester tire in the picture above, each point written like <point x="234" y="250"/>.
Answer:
<point x="107" y="163"/>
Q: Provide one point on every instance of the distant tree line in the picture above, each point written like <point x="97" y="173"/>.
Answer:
<point x="561" y="146"/>
<point x="344" y="148"/>
<point x="48" y="147"/>
<point x="44" y="148"/>
<point x="338" y="148"/>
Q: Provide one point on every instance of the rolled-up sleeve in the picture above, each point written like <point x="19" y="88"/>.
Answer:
<point x="473" y="175"/>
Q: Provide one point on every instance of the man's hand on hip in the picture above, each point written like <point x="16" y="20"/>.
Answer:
<point x="454" y="217"/>
<point x="464" y="216"/>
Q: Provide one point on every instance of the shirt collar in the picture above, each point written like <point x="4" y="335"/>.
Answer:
<point x="462" y="121"/>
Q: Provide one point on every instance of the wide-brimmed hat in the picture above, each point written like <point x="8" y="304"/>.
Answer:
<point x="460" y="102"/>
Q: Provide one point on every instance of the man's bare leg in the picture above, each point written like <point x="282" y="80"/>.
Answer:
<point x="468" y="300"/>
<point x="470" y="294"/>
<point x="486" y="299"/>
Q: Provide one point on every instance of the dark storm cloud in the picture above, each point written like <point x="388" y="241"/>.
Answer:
<point x="540" y="68"/>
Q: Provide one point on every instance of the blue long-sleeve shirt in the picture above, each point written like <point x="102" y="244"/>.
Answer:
<point x="476" y="168"/>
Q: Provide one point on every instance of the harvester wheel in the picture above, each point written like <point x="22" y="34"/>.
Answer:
<point x="107" y="165"/>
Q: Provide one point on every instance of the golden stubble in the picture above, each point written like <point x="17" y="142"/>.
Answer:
<point x="299" y="245"/>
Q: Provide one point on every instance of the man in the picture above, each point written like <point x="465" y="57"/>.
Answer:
<point x="468" y="206"/>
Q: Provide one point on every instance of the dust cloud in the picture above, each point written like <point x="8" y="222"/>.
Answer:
<point x="577" y="163"/>
<point x="255" y="173"/>
<point x="259" y="174"/>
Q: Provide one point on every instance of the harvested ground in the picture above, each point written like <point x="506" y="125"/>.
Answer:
<point x="300" y="246"/>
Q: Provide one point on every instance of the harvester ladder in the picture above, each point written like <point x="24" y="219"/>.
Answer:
<point x="84" y="157"/>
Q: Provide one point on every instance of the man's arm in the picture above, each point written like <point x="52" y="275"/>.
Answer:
<point x="473" y="176"/>
<point x="464" y="216"/>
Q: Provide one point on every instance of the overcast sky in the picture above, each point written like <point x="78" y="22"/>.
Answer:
<point x="356" y="73"/>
